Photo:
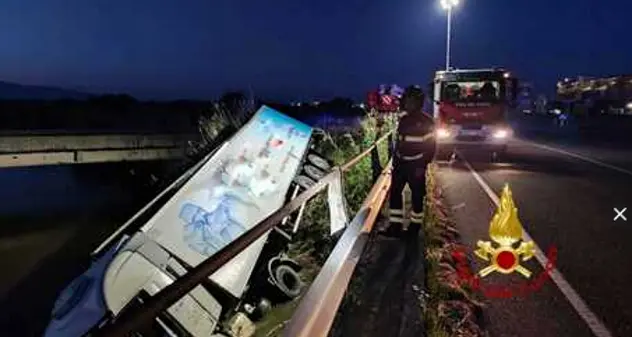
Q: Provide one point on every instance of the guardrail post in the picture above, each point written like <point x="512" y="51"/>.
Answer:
<point x="391" y="145"/>
<point x="376" y="167"/>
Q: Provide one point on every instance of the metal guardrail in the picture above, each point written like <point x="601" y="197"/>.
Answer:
<point x="128" y="321"/>
<point x="317" y="310"/>
<point x="318" y="307"/>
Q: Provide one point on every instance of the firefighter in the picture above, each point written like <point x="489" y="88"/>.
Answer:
<point x="414" y="150"/>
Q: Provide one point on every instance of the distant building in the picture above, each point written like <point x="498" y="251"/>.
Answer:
<point x="597" y="95"/>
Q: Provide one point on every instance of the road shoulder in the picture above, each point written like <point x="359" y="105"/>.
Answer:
<point x="542" y="313"/>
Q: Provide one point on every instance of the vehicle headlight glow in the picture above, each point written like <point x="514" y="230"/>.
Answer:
<point x="500" y="134"/>
<point x="443" y="133"/>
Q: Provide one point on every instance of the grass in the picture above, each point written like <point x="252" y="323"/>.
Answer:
<point x="436" y="292"/>
<point x="439" y="292"/>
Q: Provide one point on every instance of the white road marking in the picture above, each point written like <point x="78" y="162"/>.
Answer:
<point x="579" y="156"/>
<point x="593" y="322"/>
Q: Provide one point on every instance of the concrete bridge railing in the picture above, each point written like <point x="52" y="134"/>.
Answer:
<point x="50" y="149"/>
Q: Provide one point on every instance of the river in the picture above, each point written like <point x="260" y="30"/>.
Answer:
<point x="51" y="218"/>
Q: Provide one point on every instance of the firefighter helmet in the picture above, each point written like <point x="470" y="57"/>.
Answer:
<point x="413" y="99"/>
<point x="415" y="92"/>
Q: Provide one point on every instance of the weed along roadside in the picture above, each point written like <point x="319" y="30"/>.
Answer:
<point x="450" y="307"/>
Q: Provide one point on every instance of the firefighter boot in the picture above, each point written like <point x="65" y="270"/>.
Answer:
<point x="396" y="221"/>
<point x="416" y="221"/>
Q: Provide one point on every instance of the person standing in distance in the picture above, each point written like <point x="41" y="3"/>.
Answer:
<point x="415" y="148"/>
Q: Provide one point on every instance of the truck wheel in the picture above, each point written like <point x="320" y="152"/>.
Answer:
<point x="445" y="155"/>
<point x="304" y="181"/>
<point x="452" y="157"/>
<point x="319" y="162"/>
<point x="288" y="281"/>
<point x="313" y="172"/>
<point x="500" y="154"/>
<point x="496" y="157"/>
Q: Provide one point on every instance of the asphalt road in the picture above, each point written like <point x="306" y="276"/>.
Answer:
<point x="566" y="195"/>
<point x="385" y="296"/>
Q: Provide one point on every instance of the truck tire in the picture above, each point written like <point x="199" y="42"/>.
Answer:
<point x="445" y="155"/>
<point x="319" y="162"/>
<point x="499" y="154"/>
<point x="304" y="181"/>
<point x="288" y="281"/>
<point x="314" y="172"/>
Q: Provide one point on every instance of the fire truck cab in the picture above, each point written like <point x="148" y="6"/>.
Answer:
<point x="471" y="107"/>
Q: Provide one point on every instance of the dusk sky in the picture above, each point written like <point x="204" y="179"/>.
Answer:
<point x="293" y="49"/>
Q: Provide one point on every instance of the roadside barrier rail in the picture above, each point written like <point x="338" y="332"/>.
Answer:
<point x="319" y="305"/>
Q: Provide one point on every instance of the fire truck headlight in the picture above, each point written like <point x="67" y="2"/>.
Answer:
<point x="501" y="134"/>
<point x="443" y="133"/>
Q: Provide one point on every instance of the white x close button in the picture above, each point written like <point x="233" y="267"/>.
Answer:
<point x="620" y="214"/>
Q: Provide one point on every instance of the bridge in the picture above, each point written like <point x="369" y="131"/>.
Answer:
<point x="76" y="132"/>
<point x="54" y="148"/>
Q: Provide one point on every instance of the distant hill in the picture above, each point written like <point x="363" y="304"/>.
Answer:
<point x="13" y="91"/>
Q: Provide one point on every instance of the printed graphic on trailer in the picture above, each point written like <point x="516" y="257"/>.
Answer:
<point x="242" y="181"/>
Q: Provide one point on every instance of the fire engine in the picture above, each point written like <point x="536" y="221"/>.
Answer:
<point x="471" y="107"/>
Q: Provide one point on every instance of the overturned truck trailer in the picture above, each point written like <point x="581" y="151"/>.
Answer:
<point x="246" y="180"/>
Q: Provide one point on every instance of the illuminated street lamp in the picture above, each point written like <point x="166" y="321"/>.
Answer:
<point x="448" y="5"/>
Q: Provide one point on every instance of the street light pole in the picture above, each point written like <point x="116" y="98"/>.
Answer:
<point x="448" y="5"/>
<point x="447" y="48"/>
